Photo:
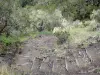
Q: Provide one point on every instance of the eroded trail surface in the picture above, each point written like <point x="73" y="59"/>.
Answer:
<point x="42" y="56"/>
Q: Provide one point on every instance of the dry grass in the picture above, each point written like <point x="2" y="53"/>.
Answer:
<point x="5" y="70"/>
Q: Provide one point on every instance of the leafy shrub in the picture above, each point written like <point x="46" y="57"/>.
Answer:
<point x="7" y="40"/>
<point x="78" y="9"/>
<point x="27" y="20"/>
<point x="78" y="33"/>
<point x="62" y="35"/>
<point x="24" y="16"/>
<point x="96" y="15"/>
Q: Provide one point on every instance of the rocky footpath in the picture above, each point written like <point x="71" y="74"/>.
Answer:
<point x="42" y="56"/>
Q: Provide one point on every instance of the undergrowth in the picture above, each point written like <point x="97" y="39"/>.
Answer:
<point x="5" y="71"/>
<point x="83" y="33"/>
<point x="6" y="42"/>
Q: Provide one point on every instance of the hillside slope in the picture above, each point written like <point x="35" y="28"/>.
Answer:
<point x="42" y="56"/>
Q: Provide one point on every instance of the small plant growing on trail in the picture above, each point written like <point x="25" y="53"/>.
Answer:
<point x="62" y="35"/>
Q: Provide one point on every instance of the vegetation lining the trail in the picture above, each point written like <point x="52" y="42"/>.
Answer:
<point x="74" y="23"/>
<point x="23" y="17"/>
<point x="4" y="71"/>
<point x="6" y="42"/>
<point x="80" y="32"/>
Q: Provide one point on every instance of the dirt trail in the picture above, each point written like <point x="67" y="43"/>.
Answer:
<point x="37" y="55"/>
<point x="42" y="56"/>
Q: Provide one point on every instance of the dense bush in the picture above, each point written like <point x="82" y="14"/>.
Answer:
<point x="29" y="16"/>
<point x="27" y="20"/>
<point x="96" y="15"/>
<point x="25" y="16"/>
<point x="62" y="35"/>
<point x="78" y="32"/>
<point x="78" y="9"/>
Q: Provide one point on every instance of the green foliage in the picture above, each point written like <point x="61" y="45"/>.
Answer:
<point x="49" y="7"/>
<point x="79" y="33"/>
<point x="96" y="15"/>
<point x="24" y="16"/>
<point x="5" y="8"/>
<point x="7" y="40"/>
<point x="78" y="9"/>
<point x="27" y="17"/>
<point x="25" y="2"/>
<point x="44" y="33"/>
<point x="63" y="37"/>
